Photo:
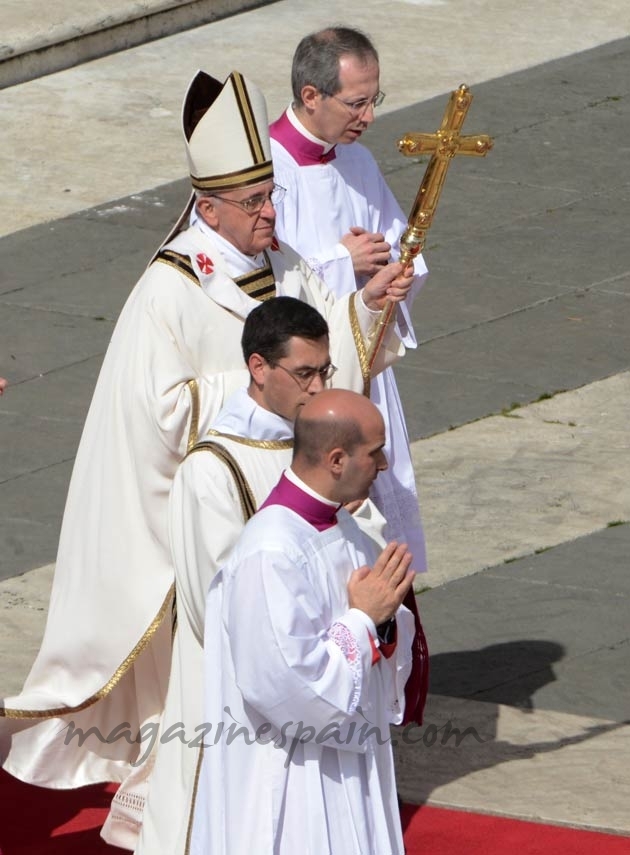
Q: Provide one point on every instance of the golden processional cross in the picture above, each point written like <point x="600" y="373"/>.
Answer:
<point x="445" y="144"/>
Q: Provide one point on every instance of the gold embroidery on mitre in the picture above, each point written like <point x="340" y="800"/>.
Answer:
<point x="247" y="115"/>
<point x="233" y="180"/>
<point x="257" y="167"/>
<point x="111" y="684"/>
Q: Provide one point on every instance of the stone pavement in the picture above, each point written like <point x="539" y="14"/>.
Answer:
<point x="517" y="398"/>
<point x="41" y="38"/>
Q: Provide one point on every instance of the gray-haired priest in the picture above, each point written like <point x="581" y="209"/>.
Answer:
<point x="173" y="358"/>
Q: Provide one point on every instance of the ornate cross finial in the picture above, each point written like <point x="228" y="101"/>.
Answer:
<point x="445" y="144"/>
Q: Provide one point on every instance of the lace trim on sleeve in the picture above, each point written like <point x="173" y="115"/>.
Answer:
<point x="316" y="266"/>
<point x="347" y="643"/>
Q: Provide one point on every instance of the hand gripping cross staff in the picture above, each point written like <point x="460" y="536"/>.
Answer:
<point x="443" y="146"/>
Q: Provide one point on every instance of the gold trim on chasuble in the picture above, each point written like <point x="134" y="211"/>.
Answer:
<point x="245" y="494"/>
<point x="259" y="284"/>
<point x="267" y="444"/>
<point x="359" y="343"/>
<point x="111" y="684"/>
<point x="193" y="801"/>
<point x="181" y="263"/>
<point x="248" y="507"/>
<point x="193" y="434"/>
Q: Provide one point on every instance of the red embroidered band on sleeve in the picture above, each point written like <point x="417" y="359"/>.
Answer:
<point x="347" y="643"/>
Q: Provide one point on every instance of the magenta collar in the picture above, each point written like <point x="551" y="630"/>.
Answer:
<point x="320" y="515"/>
<point x="305" y="152"/>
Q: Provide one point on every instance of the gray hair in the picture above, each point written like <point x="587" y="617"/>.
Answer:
<point x="316" y="58"/>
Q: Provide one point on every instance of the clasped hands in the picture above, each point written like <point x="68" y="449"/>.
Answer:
<point x="379" y="591"/>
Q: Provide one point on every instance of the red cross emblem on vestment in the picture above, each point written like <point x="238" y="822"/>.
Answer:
<point x="205" y="263"/>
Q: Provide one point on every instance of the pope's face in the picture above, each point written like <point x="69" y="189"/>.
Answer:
<point x="333" y="119"/>
<point x="251" y="233"/>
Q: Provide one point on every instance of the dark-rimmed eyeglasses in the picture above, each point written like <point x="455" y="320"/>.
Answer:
<point x="359" y="107"/>
<point x="305" y="376"/>
<point x="255" y="204"/>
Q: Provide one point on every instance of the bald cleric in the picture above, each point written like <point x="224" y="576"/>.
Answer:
<point x="308" y="648"/>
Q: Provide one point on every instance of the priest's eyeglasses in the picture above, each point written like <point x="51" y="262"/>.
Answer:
<point x="358" y="108"/>
<point x="255" y="204"/>
<point x="305" y="376"/>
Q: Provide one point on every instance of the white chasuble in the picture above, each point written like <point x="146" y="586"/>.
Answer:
<point x="323" y="201"/>
<point x="173" y="359"/>
<point x="207" y="515"/>
<point x="297" y="756"/>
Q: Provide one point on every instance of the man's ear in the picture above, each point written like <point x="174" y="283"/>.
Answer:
<point x="310" y="95"/>
<point x="207" y="208"/>
<point x="336" y="458"/>
<point x="256" y="365"/>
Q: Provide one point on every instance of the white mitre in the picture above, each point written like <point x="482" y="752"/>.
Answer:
<point x="226" y="134"/>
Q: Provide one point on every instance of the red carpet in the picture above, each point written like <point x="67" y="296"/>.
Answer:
<point x="438" y="831"/>
<point x="66" y="822"/>
<point x="36" y="821"/>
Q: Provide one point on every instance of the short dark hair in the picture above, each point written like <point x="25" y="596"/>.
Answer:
<point x="313" y="438"/>
<point x="316" y="58"/>
<point x="269" y="327"/>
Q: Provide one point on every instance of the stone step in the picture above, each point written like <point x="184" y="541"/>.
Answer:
<point x="40" y="38"/>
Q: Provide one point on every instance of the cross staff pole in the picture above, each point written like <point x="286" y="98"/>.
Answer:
<point x="443" y="146"/>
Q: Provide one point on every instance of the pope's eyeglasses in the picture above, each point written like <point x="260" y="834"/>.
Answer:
<point x="255" y="204"/>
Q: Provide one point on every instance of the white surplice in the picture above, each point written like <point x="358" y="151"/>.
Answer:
<point x="286" y="657"/>
<point x="205" y="519"/>
<point x="105" y="656"/>
<point x="323" y="201"/>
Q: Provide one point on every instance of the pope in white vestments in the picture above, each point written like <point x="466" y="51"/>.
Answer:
<point x="334" y="186"/>
<point x="299" y="691"/>
<point x="173" y="358"/>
